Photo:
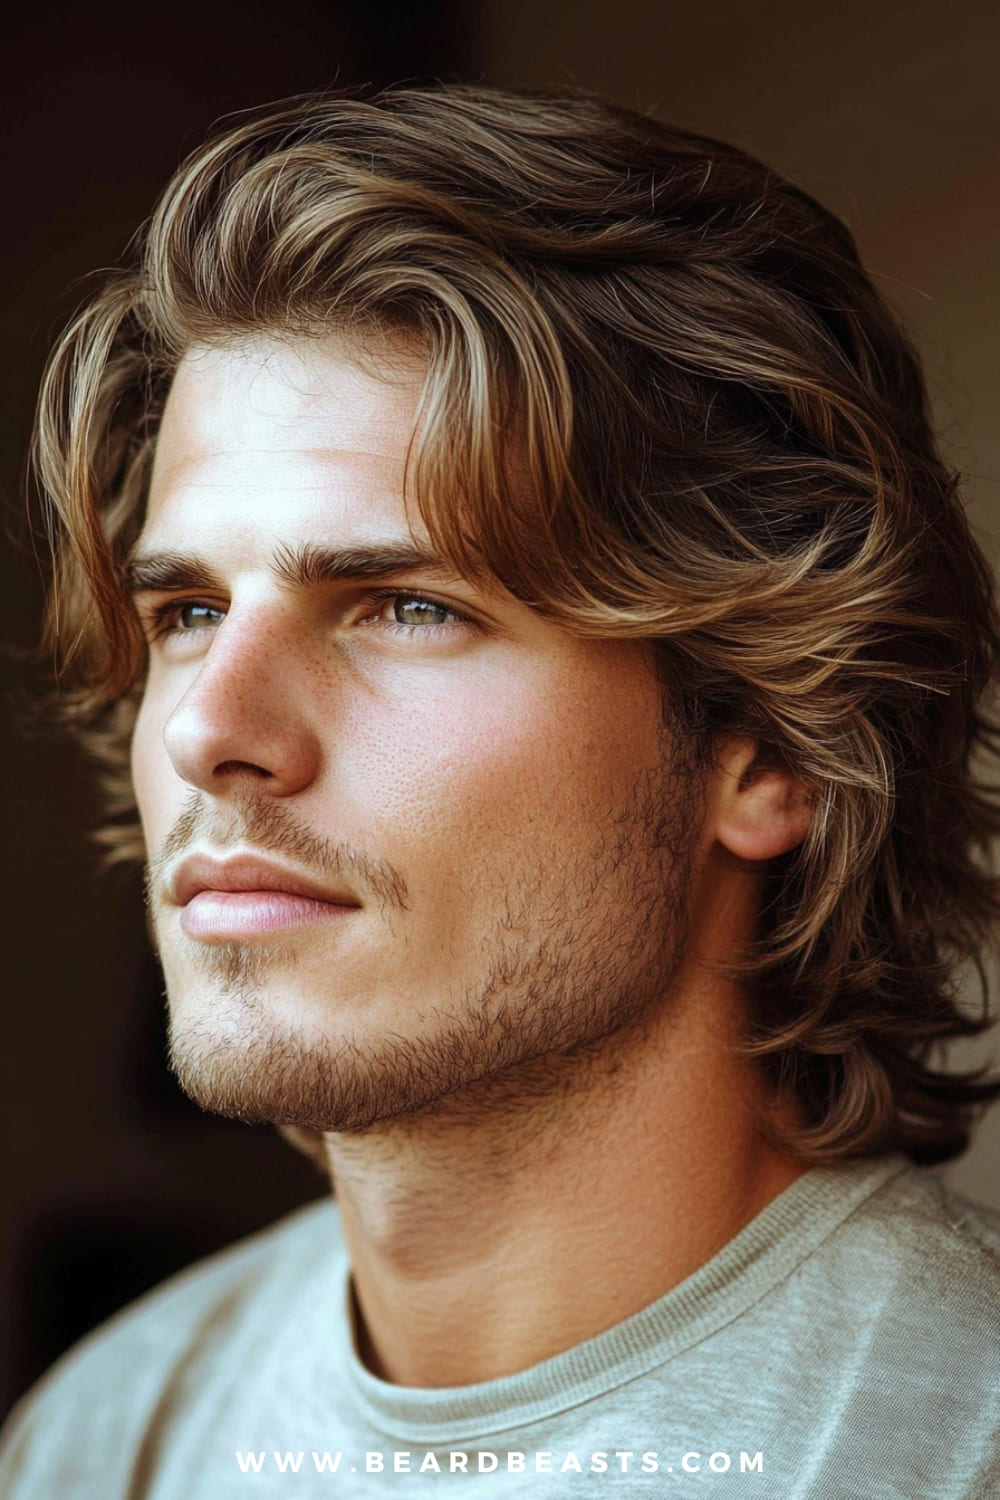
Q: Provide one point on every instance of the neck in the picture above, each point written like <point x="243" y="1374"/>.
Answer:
<point x="541" y="1210"/>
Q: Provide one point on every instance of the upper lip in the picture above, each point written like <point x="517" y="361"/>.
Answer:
<point x="247" y="872"/>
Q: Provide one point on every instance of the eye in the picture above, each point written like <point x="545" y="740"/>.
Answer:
<point x="410" y="610"/>
<point x="194" y="616"/>
<point x="179" y="618"/>
<point x="409" y="614"/>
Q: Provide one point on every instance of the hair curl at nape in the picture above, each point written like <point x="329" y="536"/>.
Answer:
<point x="664" y="402"/>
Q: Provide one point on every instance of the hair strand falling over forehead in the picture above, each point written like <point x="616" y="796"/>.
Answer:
<point x="665" y="402"/>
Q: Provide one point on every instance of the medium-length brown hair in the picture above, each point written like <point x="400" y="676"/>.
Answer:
<point x="729" y="452"/>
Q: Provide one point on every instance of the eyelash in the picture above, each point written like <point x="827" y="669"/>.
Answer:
<point x="382" y="596"/>
<point x="162" y="620"/>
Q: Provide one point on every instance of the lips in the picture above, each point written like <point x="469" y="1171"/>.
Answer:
<point x="245" y="898"/>
<point x="247" y="873"/>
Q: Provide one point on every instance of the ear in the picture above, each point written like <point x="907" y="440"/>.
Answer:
<point x="759" y="809"/>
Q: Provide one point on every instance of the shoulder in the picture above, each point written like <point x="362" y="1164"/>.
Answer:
<point x="944" y="1242"/>
<point x="910" y="1297"/>
<point x="918" y="1259"/>
<point x="255" y="1270"/>
<point x="910" y="1288"/>
<point x="142" y="1352"/>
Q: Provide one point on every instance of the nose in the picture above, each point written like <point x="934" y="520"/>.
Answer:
<point x="242" y="718"/>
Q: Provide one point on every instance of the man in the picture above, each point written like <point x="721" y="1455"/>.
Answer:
<point x="507" y="537"/>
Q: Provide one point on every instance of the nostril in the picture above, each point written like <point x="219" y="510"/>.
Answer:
<point x="234" y="767"/>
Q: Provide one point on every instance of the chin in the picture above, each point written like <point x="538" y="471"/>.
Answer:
<point x="253" y="1067"/>
<point x="242" y="1056"/>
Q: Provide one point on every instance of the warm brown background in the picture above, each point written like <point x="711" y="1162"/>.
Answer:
<point x="889" y="113"/>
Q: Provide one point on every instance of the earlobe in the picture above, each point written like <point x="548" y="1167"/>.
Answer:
<point x="761" y="809"/>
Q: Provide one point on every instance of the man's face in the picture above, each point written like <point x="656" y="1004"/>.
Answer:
<point x="408" y="839"/>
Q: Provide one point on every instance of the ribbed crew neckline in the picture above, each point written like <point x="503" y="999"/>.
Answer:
<point x="768" y="1249"/>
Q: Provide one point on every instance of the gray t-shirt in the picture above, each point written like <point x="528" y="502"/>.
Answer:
<point x="844" y="1346"/>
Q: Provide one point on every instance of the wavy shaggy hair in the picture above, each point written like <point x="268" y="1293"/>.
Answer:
<point x="730" y="456"/>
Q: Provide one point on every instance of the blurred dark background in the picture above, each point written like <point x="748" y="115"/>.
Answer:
<point x="111" y="1179"/>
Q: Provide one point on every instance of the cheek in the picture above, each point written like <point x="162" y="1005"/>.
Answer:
<point x="510" y="771"/>
<point x="429" y="771"/>
<point x="151" y="771"/>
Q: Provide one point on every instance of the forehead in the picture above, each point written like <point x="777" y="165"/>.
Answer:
<point x="269" y="432"/>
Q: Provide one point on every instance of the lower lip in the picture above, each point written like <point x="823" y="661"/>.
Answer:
<point x="221" y="915"/>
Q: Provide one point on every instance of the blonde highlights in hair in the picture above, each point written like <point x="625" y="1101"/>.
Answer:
<point x="665" y="402"/>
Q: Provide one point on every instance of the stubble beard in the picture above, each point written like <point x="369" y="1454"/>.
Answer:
<point x="573" y="968"/>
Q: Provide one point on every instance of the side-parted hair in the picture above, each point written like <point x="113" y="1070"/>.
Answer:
<point x="664" y="402"/>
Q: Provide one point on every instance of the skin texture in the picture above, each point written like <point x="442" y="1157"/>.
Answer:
<point x="511" y="1026"/>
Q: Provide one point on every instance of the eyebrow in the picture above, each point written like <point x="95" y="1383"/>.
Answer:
<point x="301" y="567"/>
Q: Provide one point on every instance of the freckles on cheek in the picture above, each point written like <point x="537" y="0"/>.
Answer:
<point x="448" y="763"/>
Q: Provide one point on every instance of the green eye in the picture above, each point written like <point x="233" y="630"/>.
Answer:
<point x="408" y="611"/>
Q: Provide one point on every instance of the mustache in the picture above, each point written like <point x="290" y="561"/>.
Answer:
<point x="268" y="827"/>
